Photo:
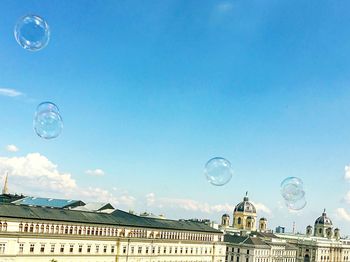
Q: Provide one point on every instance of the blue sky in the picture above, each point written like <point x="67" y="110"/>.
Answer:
<point x="150" y="92"/>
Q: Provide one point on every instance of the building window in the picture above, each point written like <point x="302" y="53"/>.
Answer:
<point x="52" y="250"/>
<point x="21" y="247"/>
<point x="88" y="248"/>
<point x="62" y="248"/>
<point x="42" y="248"/>
<point x="139" y="250"/>
<point x="248" y="251"/>
<point x="239" y="221"/>
<point x="97" y="248"/>
<point x="71" y="246"/>
<point x="31" y="248"/>
<point x="80" y="248"/>
<point x="238" y="250"/>
<point x="147" y="250"/>
<point x="153" y="250"/>
<point x="105" y="249"/>
<point x="124" y="249"/>
<point x="112" y="249"/>
<point x="2" y="248"/>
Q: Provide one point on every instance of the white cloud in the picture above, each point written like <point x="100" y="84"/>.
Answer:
<point x="343" y="214"/>
<point x="186" y="204"/>
<point x="347" y="197"/>
<point x="262" y="208"/>
<point x="96" y="172"/>
<point x="9" y="92"/>
<point x="347" y="173"/>
<point x="12" y="148"/>
<point x="36" y="174"/>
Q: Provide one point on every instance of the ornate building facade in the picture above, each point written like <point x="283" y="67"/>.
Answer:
<point x="245" y="243"/>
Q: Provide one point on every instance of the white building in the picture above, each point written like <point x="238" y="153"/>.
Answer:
<point x="36" y="233"/>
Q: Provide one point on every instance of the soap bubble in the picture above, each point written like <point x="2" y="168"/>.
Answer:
<point x="218" y="171"/>
<point x="292" y="189"/>
<point x="47" y="122"/>
<point x="296" y="205"/>
<point x="32" y="32"/>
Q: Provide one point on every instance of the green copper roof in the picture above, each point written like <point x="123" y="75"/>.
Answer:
<point x="117" y="218"/>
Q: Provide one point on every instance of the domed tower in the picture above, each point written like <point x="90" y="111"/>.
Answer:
<point x="262" y="224"/>
<point x="322" y="224"/>
<point x="309" y="231"/>
<point x="244" y="215"/>
<point x="225" y="220"/>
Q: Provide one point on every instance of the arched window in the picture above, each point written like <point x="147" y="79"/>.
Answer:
<point x="37" y="228"/>
<point x="71" y="230"/>
<point x="42" y="227"/>
<point x="20" y="227"/>
<point x="239" y="221"/>
<point x="31" y="229"/>
<point x="4" y="226"/>
<point x="47" y="229"/>
<point x="52" y="229"/>
<point x="26" y="228"/>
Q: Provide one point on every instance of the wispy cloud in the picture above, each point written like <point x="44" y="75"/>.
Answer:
<point x="196" y="206"/>
<point x="186" y="204"/>
<point x="347" y="197"/>
<point x="347" y="172"/>
<point x="95" y="172"/>
<point x="9" y="92"/>
<point x="343" y="214"/>
<point x="260" y="207"/>
<point x="12" y="148"/>
<point x="224" y="7"/>
<point x="36" y="174"/>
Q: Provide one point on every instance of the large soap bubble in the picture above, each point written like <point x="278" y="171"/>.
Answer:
<point x="296" y="205"/>
<point x="32" y="32"/>
<point x="218" y="171"/>
<point x="47" y="122"/>
<point x="292" y="189"/>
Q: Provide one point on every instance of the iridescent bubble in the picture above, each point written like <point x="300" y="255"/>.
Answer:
<point x="48" y="122"/>
<point x="296" y="205"/>
<point x="218" y="171"/>
<point x="32" y="32"/>
<point x="292" y="189"/>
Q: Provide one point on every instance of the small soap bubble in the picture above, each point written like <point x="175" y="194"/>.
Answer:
<point x="32" y="32"/>
<point x="47" y="122"/>
<point x="218" y="171"/>
<point x="296" y="205"/>
<point x="292" y="189"/>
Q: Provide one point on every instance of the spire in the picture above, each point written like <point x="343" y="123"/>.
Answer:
<point x="5" y="190"/>
<point x="246" y="196"/>
<point x="324" y="212"/>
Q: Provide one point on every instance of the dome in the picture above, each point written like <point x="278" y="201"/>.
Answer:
<point x="323" y="220"/>
<point x="245" y="206"/>
<point x="225" y="215"/>
<point x="263" y="219"/>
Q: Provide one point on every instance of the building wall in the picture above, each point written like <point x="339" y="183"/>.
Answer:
<point x="67" y="242"/>
<point x="250" y="253"/>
